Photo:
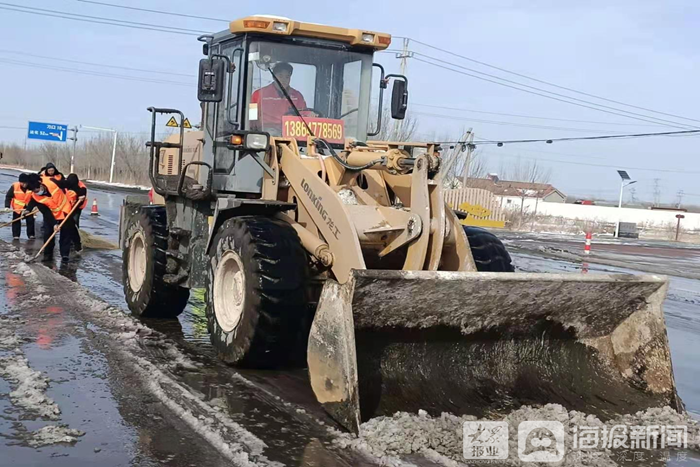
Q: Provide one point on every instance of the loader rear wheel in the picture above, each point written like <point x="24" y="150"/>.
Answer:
<point x="256" y="297"/>
<point x="490" y="255"/>
<point x="143" y="267"/>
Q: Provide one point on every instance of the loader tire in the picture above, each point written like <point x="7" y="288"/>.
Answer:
<point x="490" y="255"/>
<point x="143" y="267"/>
<point x="256" y="293"/>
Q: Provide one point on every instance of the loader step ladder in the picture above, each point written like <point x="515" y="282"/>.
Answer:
<point x="159" y="182"/>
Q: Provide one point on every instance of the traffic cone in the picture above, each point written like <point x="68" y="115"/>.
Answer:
<point x="93" y="211"/>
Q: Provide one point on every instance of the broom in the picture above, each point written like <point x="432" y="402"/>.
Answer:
<point x="55" y="231"/>
<point x="94" y="242"/>
<point x="19" y="218"/>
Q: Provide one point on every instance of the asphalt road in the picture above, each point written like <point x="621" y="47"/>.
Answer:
<point x="124" y="426"/>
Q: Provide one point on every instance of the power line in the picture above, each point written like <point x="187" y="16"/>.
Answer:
<point x="535" y="93"/>
<point x="548" y="83"/>
<point x="516" y="124"/>
<point x="160" y="12"/>
<point x="107" y="21"/>
<point x="104" y="65"/>
<point x="104" y="19"/>
<point x="91" y="73"/>
<point x="583" y="138"/>
<point x="559" y="97"/>
<point x="528" y="116"/>
<point x="596" y="165"/>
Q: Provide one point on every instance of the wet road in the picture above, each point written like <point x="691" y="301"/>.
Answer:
<point x="279" y="402"/>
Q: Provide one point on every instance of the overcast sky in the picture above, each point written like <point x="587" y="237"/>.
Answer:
<point x="638" y="52"/>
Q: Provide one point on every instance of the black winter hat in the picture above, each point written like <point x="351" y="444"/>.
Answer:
<point x="72" y="181"/>
<point x="33" y="181"/>
<point x="23" y="178"/>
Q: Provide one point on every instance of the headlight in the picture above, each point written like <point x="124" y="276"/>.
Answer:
<point x="369" y="38"/>
<point x="279" y="26"/>
<point x="256" y="142"/>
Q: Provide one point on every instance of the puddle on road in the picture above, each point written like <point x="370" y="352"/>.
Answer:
<point x="681" y="310"/>
<point x="123" y="424"/>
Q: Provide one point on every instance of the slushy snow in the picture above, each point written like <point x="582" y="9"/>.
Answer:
<point x="54" y="434"/>
<point x="30" y="387"/>
<point x="440" y="438"/>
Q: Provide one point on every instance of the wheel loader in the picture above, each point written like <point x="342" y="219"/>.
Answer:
<point x="317" y="245"/>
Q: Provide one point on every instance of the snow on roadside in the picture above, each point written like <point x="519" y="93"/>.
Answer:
<point x="231" y="439"/>
<point x="100" y="183"/>
<point x="440" y="438"/>
<point x="53" y="434"/>
<point x="92" y="182"/>
<point x="30" y="387"/>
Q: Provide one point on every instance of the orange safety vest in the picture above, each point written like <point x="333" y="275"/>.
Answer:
<point x="57" y="200"/>
<point x="21" y="198"/>
<point x="56" y="176"/>
<point x="73" y="196"/>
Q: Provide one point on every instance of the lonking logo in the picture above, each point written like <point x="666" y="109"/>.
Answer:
<point x="317" y="202"/>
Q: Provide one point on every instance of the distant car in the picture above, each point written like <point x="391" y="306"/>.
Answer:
<point x="585" y="202"/>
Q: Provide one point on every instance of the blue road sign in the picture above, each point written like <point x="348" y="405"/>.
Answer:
<point x="48" y="131"/>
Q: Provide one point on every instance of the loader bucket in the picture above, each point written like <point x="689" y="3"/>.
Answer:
<point x="487" y="343"/>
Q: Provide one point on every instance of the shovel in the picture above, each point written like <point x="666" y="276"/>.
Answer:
<point x="56" y="230"/>
<point x="19" y="218"/>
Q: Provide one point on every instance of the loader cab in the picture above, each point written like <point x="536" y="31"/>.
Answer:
<point x="254" y="69"/>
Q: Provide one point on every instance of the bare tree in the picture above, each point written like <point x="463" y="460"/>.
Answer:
<point x="388" y="132"/>
<point x="534" y="175"/>
<point x="92" y="159"/>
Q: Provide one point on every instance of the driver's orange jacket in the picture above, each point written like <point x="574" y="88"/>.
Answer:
<point x="272" y="105"/>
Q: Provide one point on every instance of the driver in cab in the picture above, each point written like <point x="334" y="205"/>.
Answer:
<point x="272" y="104"/>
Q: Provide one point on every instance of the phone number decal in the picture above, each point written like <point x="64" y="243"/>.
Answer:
<point x="331" y="130"/>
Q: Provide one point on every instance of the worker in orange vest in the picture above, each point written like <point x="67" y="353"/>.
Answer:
<point x="73" y="183"/>
<point x="17" y="198"/>
<point x="55" y="205"/>
<point x="50" y="170"/>
<point x="76" y="189"/>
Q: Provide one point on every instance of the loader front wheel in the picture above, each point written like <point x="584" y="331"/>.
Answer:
<point x="256" y="293"/>
<point x="143" y="267"/>
<point x="490" y="255"/>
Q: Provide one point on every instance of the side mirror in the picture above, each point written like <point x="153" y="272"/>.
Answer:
<point x="205" y="49"/>
<point x="399" y="99"/>
<point x="211" y="80"/>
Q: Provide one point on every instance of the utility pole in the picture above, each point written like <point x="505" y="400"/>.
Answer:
<point x="403" y="56"/>
<point x="73" y="138"/>
<point x="657" y="192"/>
<point x="468" y="145"/>
<point x="633" y="195"/>
<point x="680" y="199"/>
<point x="114" y="148"/>
<point x="625" y="180"/>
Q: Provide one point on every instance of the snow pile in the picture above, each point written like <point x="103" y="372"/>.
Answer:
<point x="8" y="339"/>
<point x="30" y="391"/>
<point x="406" y="433"/>
<point x="54" y="434"/>
<point x="38" y="299"/>
<point x="116" y="185"/>
<point x="440" y="438"/>
<point x="24" y="270"/>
